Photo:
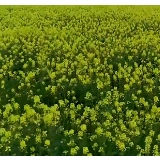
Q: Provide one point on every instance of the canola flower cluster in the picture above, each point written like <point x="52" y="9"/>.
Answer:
<point x="79" y="80"/>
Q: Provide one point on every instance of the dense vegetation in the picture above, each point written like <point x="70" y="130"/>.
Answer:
<point x="79" y="80"/>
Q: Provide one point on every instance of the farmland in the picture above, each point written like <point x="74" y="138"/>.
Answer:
<point x="80" y="80"/>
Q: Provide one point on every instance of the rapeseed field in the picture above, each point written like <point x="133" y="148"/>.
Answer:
<point x="80" y="80"/>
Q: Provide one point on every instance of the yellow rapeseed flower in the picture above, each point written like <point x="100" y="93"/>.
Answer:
<point x="22" y="144"/>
